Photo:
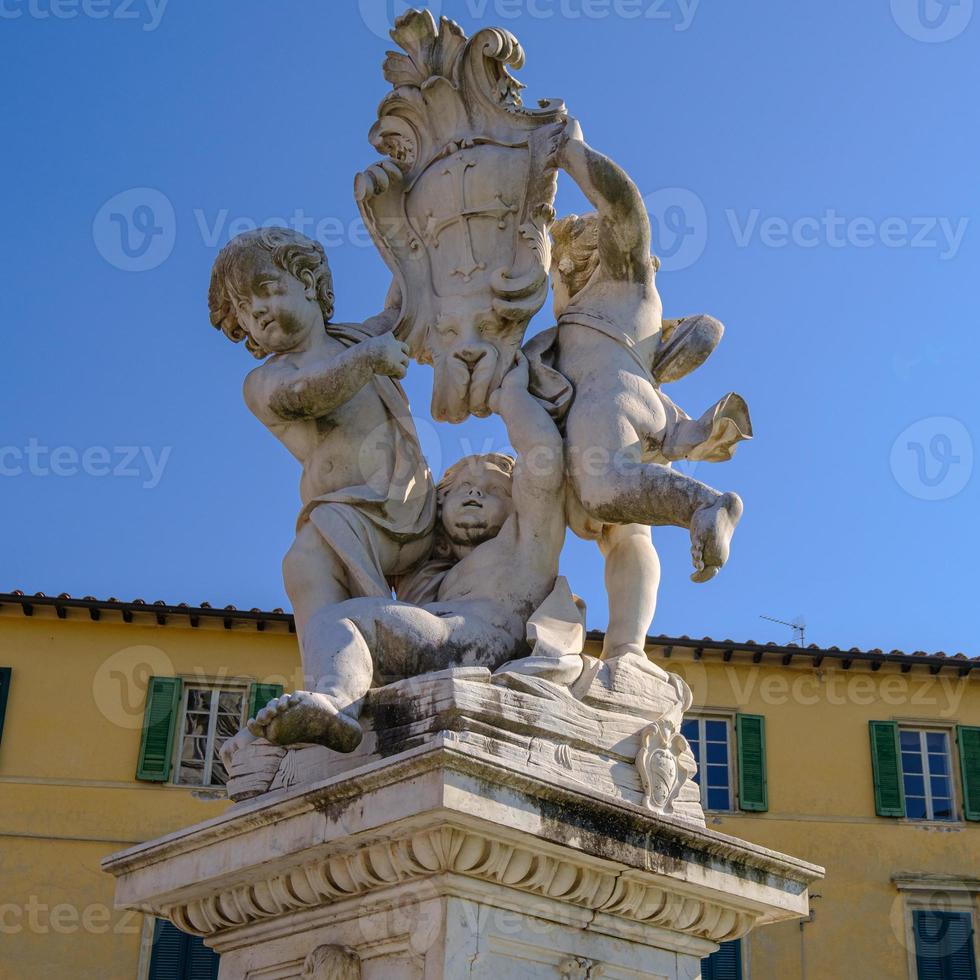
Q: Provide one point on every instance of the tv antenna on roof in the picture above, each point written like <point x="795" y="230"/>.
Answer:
<point x="798" y="626"/>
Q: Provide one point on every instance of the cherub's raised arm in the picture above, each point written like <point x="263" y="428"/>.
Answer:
<point x="624" y="229"/>
<point x="540" y="470"/>
<point x="291" y="393"/>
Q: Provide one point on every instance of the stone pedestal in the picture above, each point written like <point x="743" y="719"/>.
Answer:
<point x="443" y="862"/>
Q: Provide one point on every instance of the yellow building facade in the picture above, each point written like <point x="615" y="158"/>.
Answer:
<point x="801" y="750"/>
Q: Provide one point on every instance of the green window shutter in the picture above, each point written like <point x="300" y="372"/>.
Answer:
<point x="887" y="769"/>
<point x="159" y="718"/>
<point x="260" y="696"/>
<point x="725" y="964"/>
<point x="178" y="956"/>
<point x="5" y="673"/>
<point x="944" y="945"/>
<point x="202" y="963"/>
<point x="753" y="783"/>
<point x="968" y="740"/>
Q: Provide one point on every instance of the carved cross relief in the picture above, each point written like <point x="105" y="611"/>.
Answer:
<point x="462" y="212"/>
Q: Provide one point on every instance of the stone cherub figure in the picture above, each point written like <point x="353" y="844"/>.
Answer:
<point x="502" y="526"/>
<point x="329" y="393"/>
<point x="622" y="432"/>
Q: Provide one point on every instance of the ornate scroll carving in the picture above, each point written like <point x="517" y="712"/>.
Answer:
<point x="461" y="207"/>
<point x="377" y="865"/>
<point x="665" y="763"/>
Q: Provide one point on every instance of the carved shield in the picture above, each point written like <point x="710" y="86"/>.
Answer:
<point x="460" y="210"/>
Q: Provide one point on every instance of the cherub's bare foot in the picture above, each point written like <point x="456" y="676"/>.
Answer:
<point x="306" y="716"/>
<point x="711" y="534"/>
<point x="641" y="660"/>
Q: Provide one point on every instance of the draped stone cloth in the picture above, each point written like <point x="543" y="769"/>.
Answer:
<point x="713" y="437"/>
<point x="397" y="498"/>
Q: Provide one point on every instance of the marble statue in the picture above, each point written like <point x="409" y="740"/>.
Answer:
<point x="502" y="526"/>
<point x="622" y="431"/>
<point x="394" y="580"/>
<point x="459" y="788"/>
<point x="329" y="392"/>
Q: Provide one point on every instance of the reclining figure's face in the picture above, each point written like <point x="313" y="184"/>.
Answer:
<point x="477" y="504"/>
<point x="470" y="349"/>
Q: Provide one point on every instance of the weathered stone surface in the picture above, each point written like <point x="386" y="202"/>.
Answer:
<point x="594" y="740"/>
<point x="444" y="861"/>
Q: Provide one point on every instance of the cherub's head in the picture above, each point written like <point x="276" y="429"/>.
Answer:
<point x="475" y="499"/>
<point x="271" y="288"/>
<point x="575" y="256"/>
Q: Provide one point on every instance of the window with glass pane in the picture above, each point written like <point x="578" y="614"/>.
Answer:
<point x="710" y="740"/>
<point x="209" y="717"/>
<point x="926" y="774"/>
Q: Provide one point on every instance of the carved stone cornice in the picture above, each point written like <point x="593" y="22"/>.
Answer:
<point x="460" y="851"/>
<point x="447" y="820"/>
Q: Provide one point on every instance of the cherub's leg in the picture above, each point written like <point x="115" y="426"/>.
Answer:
<point x="632" y="578"/>
<point x="313" y="575"/>
<point x="353" y="642"/>
<point x="343" y="646"/>
<point x="652" y="494"/>
<point x="337" y="667"/>
<point x="314" y="578"/>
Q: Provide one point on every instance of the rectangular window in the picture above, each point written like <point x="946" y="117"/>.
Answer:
<point x="725" y="964"/>
<point x="944" y="945"/>
<point x="927" y="774"/>
<point x="5" y="673"/>
<point x="178" y="956"/>
<point x="711" y="743"/>
<point x="208" y="716"/>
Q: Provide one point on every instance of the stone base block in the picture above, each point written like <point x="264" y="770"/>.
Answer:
<point x="442" y="863"/>
<point x="614" y="731"/>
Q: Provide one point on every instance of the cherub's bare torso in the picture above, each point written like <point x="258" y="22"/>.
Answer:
<point x="487" y="577"/>
<point x="340" y="449"/>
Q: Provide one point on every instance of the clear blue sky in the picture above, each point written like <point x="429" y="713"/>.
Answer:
<point x="816" y="165"/>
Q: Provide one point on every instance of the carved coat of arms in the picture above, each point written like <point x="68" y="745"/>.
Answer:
<point x="461" y="206"/>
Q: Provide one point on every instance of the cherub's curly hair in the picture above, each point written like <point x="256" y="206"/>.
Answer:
<point x="575" y="249"/>
<point x="290" y="251"/>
